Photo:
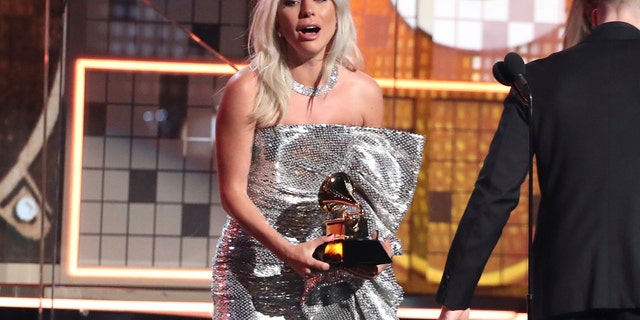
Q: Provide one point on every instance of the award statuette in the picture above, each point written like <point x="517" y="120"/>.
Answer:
<point x="352" y="244"/>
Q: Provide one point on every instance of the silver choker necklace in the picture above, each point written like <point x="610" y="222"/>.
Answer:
<point x="316" y="91"/>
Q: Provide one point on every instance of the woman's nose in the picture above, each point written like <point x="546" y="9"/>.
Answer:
<point x="307" y="8"/>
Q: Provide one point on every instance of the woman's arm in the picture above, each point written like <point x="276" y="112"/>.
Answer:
<point x="234" y="138"/>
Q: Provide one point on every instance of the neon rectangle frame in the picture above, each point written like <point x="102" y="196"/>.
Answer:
<point x="72" y="271"/>
<point x="71" y="230"/>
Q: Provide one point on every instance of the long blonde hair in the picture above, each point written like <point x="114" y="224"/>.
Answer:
<point x="267" y="53"/>
<point x="578" y="25"/>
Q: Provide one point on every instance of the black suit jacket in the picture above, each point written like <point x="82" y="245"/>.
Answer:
<point x="586" y="124"/>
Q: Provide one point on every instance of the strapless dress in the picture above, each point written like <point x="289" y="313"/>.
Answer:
<point x="289" y="163"/>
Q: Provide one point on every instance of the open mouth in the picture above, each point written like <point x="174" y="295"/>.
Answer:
<point x="310" y="29"/>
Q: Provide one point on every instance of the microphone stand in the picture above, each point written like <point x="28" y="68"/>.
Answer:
<point x="530" y="211"/>
<point x="520" y="85"/>
<point x="511" y="73"/>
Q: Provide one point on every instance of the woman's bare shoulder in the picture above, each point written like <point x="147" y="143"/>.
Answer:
<point x="361" y="81"/>
<point x="243" y="80"/>
<point x="364" y="95"/>
<point x="239" y="94"/>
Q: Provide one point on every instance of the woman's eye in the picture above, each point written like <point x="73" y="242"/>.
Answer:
<point x="290" y="3"/>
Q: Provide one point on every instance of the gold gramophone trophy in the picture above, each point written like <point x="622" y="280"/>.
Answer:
<point x="353" y="244"/>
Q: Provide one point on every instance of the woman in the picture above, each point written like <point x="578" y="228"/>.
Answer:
<point x="578" y="24"/>
<point x="299" y="112"/>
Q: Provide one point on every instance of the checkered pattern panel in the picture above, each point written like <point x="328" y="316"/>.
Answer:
<point x="486" y="25"/>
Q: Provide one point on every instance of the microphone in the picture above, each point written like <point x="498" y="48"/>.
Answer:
<point x="510" y="72"/>
<point x="501" y="73"/>
<point x="516" y="67"/>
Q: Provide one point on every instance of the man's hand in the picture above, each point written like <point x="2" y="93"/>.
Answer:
<point x="448" y="314"/>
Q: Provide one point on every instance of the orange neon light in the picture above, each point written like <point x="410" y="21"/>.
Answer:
<point x="426" y="313"/>
<point x="75" y="181"/>
<point x="439" y="85"/>
<point x="205" y="309"/>
<point x="77" y="126"/>
<point x="192" y="309"/>
<point x="154" y="66"/>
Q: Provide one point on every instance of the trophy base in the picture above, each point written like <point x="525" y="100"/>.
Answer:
<point x="352" y="252"/>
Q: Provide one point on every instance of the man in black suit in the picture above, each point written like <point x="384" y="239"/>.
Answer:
<point x="586" y="138"/>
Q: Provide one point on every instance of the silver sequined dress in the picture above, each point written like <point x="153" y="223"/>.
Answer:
<point x="288" y="165"/>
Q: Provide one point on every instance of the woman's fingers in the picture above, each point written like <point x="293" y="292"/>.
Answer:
<point x="304" y="263"/>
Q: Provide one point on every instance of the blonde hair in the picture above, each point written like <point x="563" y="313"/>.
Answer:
<point x="267" y="53"/>
<point x="578" y="25"/>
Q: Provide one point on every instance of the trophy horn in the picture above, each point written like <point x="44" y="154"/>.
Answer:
<point x="337" y="189"/>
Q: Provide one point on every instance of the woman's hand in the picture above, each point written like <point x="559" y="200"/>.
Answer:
<point x="301" y="259"/>
<point x="387" y="247"/>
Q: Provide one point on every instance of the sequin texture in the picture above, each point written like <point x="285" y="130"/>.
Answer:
<point x="288" y="165"/>
<point x="316" y="91"/>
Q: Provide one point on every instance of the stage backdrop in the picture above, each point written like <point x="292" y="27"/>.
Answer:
<point x="107" y="173"/>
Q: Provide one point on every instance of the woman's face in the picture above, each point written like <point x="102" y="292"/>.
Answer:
<point x="307" y="26"/>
